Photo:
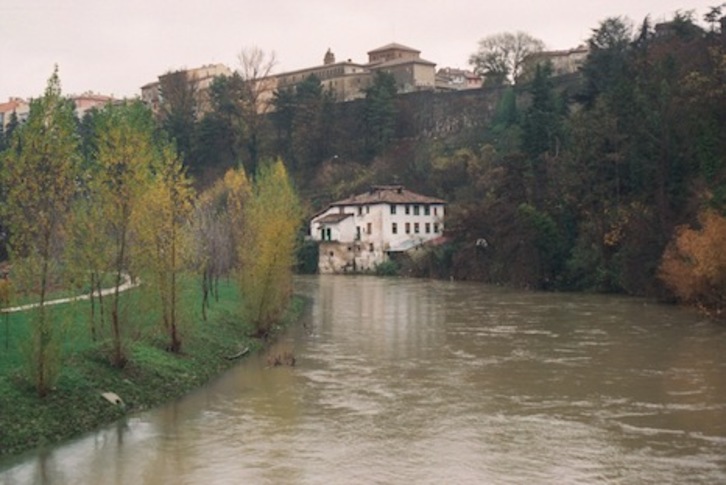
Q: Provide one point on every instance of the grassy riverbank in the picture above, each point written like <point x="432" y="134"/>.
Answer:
<point x="153" y="375"/>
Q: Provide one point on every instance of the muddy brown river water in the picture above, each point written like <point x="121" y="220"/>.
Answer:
<point x="416" y="381"/>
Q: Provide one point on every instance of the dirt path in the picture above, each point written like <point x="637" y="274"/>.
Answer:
<point x="127" y="285"/>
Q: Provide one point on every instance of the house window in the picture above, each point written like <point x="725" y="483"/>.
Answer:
<point x="408" y="228"/>
<point x="436" y="211"/>
<point x="394" y="228"/>
<point x="357" y="233"/>
<point x="427" y="210"/>
<point x="368" y="209"/>
<point x="393" y="209"/>
<point x="436" y="227"/>
<point x="370" y="248"/>
<point x="360" y="210"/>
<point x="408" y="209"/>
<point x="428" y="227"/>
<point x="415" y="210"/>
<point x="370" y="228"/>
<point x="415" y="228"/>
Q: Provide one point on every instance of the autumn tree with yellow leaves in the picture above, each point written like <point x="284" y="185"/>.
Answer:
<point x="121" y="176"/>
<point x="272" y="216"/>
<point x="160" y="241"/>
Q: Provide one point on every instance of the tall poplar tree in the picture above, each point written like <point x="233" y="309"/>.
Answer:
<point x="165" y="211"/>
<point x="267" y="253"/>
<point x="40" y="182"/>
<point x="125" y="154"/>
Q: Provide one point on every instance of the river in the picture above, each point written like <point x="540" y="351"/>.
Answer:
<point x="417" y="381"/>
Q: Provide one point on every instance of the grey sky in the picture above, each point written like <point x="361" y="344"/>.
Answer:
<point x="116" y="46"/>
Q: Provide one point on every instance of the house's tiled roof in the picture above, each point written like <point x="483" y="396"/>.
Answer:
<point x="388" y="194"/>
<point x="333" y="218"/>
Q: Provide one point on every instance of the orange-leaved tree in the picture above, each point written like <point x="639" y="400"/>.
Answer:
<point x="694" y="263"/>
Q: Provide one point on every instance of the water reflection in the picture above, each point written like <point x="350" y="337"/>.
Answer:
<point x="412" y="381"/>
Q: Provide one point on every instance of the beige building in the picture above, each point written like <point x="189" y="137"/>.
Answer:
<point x="88" y="101"/>
<point x="452" y="79"/>
<point x="201" y="77"/>
<point x="562" y="62"/>
<point x="20" y="107"/>
<point x="412" y="73"/>
<point x="347" y="80"/>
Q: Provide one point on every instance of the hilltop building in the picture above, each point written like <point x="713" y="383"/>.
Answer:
<point x="200" y="77"/>
<point x="90" y="100"/>
<point x="360" y="232"/>
<point x="562" y="62"/>
<point x="20" y="107"/>
<point x="452" y="79"/>
<point x="347" y="80"/>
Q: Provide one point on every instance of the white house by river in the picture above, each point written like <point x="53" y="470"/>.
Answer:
<point x="360" y="232"/>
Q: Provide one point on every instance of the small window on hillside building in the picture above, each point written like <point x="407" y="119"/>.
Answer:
<point x="369" y="228"/>
<point x="436" y="211"/>
<point x="427" y="227"/>
<point x="408" y="209"/>
<point x="370" y="248"/>
<point x="415" y="210"/>
<point x="393" y="209"/>
<point x="368" y="209"/>
<point x="394" y="228"/>
<point x="427" y="210"/>
<point x="360" y="210"/>
<point x="436" y="227"/>
<point x="408" y="228"/>
<point x="415" y="228"/>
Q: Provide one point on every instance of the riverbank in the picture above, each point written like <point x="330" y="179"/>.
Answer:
<point x="152" y="377"/>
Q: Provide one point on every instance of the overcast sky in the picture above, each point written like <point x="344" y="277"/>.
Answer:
<point x="116" y="46"/>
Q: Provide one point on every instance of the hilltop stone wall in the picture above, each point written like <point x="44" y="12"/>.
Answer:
<point x="430" y="114"/>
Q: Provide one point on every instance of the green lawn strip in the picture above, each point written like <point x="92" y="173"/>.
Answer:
<point x="153" y="375"/>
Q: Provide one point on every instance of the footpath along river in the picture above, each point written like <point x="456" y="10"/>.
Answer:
<point x="416" y="381"/>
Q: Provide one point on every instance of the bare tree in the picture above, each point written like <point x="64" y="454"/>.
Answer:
<point x="500" y="57"/>
<point x="255" y="69"/>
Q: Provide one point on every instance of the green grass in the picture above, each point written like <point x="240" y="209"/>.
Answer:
<point x="151" y="377"/>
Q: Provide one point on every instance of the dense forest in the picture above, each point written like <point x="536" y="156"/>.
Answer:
<point x="610" y="180"/>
